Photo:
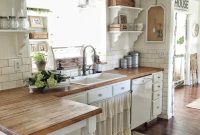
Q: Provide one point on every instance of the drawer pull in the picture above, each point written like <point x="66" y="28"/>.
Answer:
<point x="100" y="95"/>
<point x="122" y="88"/>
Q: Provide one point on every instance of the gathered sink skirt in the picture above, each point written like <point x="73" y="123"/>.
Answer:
<point x="115" y="118"/>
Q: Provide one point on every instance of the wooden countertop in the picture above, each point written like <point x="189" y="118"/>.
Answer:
<point x="39" y="114"/>
<point x="130" y="74"/>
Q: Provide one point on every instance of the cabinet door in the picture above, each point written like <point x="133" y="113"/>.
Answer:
<point x="157" y="107"/>
<point x="99" y="94"/>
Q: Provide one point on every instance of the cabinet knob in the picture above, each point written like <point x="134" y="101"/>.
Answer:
<point x="158" y="95"/>
<point x="158" y="86"/>
<point x="100" y="95"/>
<point x="158" y="107"/>
<point x="158" y="77"/>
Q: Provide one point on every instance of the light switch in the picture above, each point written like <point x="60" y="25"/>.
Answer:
<point x="18" y="65"/>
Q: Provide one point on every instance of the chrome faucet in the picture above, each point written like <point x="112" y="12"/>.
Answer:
<point x="84" y="69"/>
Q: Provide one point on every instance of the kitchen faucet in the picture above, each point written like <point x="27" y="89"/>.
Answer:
<point x="84" y="69"/>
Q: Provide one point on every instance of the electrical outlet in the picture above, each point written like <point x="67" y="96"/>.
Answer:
<point x="18" y="65"/>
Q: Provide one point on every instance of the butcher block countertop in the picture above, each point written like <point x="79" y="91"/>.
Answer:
<point x="38" y="114"/>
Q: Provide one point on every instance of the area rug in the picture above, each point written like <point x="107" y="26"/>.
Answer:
<point x="195" y="104"/>
<point x="136" y="133"/>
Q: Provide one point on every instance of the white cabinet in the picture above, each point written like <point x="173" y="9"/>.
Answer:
<point x="99" y="94"/>
<point x="157" y="95"/>
<point x="141" y="101"/>
<point x="121" y="87"/>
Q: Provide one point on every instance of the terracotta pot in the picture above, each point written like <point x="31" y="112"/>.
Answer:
<point x="41" y="65"/>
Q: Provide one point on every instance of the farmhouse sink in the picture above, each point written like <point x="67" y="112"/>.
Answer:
<point x="95" y="78"/>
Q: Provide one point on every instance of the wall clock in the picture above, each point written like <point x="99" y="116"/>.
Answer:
<point x="195" y="30"/>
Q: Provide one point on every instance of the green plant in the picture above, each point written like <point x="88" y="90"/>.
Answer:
<point x="181" y="40"/>
<point x="45" y="79"/>
<point x="39" y="57"/>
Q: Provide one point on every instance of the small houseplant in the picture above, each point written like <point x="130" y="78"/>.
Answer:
<point x="45" y="80"/>
<point x="40" y="61"/>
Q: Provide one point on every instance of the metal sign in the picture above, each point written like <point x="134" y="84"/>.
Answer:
<point x="181" y="4"/>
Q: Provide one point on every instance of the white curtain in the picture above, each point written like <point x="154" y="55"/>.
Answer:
<point x="115" y="118"/>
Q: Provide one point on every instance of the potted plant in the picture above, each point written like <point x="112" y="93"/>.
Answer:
<point x="40" y="61"/>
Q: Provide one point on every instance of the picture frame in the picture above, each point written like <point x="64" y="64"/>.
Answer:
<point x="155" y="30"/>
<point x="34" y="48"/>
<point x="36" y="21"/>
<point x="43" y="47"/>
<point x="122" y="19"/>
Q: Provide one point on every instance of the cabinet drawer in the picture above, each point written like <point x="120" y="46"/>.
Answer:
<point x="157" y="95"/>
<point x="99" y="94"/>
<point x="157" y="106"/>
<point x="158" y="77"/>
<point x="121" y="87"/>
<point x="157" y="86"/>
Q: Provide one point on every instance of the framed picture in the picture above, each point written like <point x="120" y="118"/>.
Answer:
<point x="36" y="21"/>
<point x="155" y="24"/>
<point x="34" y="48"/>
<point x="122" y="19"/>
<point x="43" y="47"/>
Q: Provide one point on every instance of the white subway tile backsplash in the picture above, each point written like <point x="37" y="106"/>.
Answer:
<point x="26" y="68"/>
<point x="4" y="78"/>
<point x="20" y="83"/>
<point x="3" y="63"/>
<point x="26" y="75"/>
<point x="26" y="61"/>
<point x="11" y="62"/>
<point x="9" y="85"/>
<point x="8" y="70"/>
<point x="14" y="77"/>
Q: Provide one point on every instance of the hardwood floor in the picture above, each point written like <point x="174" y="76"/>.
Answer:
<point x="186" y="120"/>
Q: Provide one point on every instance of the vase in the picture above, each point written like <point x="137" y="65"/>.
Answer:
<point x="41" y="65"/>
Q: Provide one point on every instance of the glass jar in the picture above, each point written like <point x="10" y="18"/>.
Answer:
<point x="4" y="22"/>
<point x="13" y="22"/>
<point x="23" y="23"/>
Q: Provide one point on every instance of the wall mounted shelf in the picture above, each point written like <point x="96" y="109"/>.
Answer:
<point x="115" y="35"/>
<point x="15" y="31"/>
<point x="134" y="10"/>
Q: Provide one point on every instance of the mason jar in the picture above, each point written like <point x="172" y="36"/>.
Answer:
<point x="4" y="22"/>
<point x="23" y="23"/>
<point x="13" y="22"/>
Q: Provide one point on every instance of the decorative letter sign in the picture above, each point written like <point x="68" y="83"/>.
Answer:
<point x="182" y="4"/>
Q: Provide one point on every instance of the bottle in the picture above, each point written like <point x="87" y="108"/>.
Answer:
<point x="98" y="66"/>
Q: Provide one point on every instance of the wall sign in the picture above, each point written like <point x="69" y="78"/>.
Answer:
<point x="181" y="4"/>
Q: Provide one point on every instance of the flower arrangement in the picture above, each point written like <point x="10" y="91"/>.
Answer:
<point x="45" y="79"/>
